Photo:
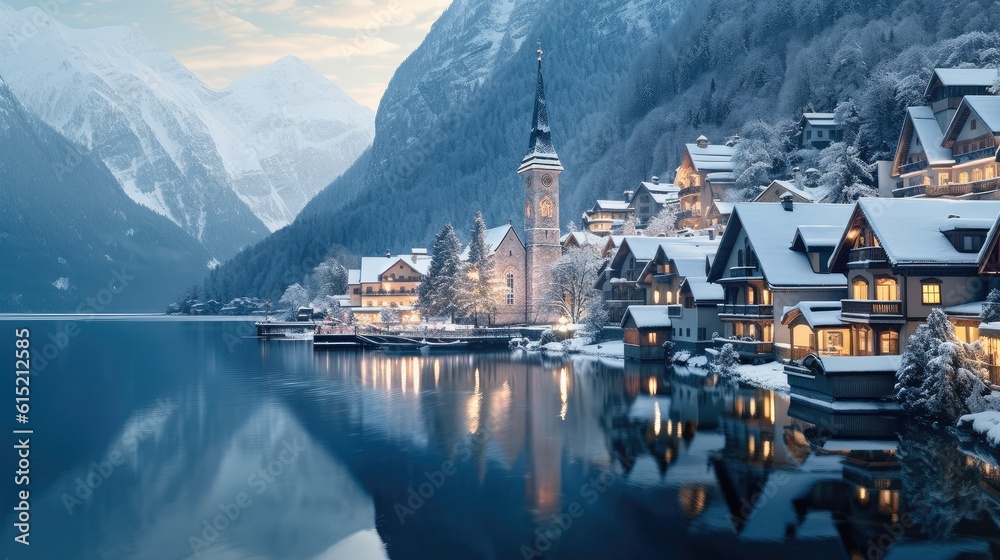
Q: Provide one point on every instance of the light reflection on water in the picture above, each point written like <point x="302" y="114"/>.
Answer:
<point x="466" y="456"/>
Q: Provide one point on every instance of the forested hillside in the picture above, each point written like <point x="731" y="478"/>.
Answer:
<point x="629" y="84"/>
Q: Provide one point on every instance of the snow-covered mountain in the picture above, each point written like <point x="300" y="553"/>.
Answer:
<point x="227" y="166"/>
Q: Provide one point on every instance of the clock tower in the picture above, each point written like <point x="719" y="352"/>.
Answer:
<point x="540" y="171"/>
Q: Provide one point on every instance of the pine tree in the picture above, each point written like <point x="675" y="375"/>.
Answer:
<point x="991" y="309"/>
<point x="294" y="297"/>
<point x="437" y="293"/>
<point x="844" y="174"/>
<point x="940" y="377"/>
<point x="478" y="290"/>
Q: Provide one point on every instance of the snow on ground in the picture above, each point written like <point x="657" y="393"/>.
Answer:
<point x="614" y="350"/>
<point x="768" y="376"/>
<point x="986" y="424"/>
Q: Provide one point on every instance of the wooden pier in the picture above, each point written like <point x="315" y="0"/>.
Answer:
<point x="436" y="341"/>
<point x="279" y="329"/>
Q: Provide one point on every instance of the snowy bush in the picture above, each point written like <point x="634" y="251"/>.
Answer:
<point x="548" y="337"/>
<point x="726" y="361"/>
<point x="940" y="378"/>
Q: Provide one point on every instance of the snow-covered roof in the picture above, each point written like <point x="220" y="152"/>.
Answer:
<point x="724" y="208"/>
<point x="494" y="237"/>
<point x="860" y="364"/>
<point x="372" y="268"/>
<point x="987" y="107"/>
<point x="354" y="276"/>
<point x="972" y="309"/>
<point x="780" y="186"/>
<point x="611" y="205"/>
<point x="819" y="119"/>
<point x="817" y="314"/>
<point x="980" y="77"/>
<point x="712" y="158"/>
<point x="927" y="129"/>
<point x="818" y="237"/>
<point x="909" y="229"/>
<point x="645" y="249"/>
<point x="771" y="230"/>
<point x="582" y="238"/>
<point x="722" y="176"/>
<point x="661" y="188"/>
<point x="647" y="316"/>
<point x="703" y="290"/>
<point x="664" y="198"/>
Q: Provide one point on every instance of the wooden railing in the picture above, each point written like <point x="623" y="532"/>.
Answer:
<point x="800" y="352"/>
<point x="959" y="189"/>
<point x="911" y="167"/>
<point x="689" y="191"/>
<point x="747" y="310"/>
<point x="867" y="255"/>
<point x="871" y="307"/>
<point x="914" y="190"/>
<point x="987" y="152"/>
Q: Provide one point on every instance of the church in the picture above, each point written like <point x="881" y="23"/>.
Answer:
<point x="524" y="264"/>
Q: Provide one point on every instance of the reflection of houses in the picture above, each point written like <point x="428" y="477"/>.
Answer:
<point x="705" y="173"/>
<point x="948" y="148"/>
<point x="677" y="276"/>
<point x="388" y="282"/>
<point x="904" y="258"/>
<point x="646" y="328"/>
<point x="819" y="130"/>
<point x="773" y="256"/>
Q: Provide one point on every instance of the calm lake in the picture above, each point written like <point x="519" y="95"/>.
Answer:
<point x="170" y="439"/>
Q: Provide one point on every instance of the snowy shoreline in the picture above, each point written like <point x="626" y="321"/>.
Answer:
<point x="984" y="425"/>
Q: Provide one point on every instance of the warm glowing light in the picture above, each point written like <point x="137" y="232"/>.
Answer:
<point x="772" y="410"/>
<point x="437" y="372"/>
<point x="670" y="427"/>
<point x="652" y="386"/>
<point x="751" y="446"/>
<point x="564" y="393"/>
<point x="656" y="418"/>
<point x="861" y="495"/>
<point x="402" y="374"/>
<point x="753" y="408"/>
<point x="388" y="375"/>
<point x="474" y="408"/>
<point x="767" y="449"/>
<point x="416" y="378"/>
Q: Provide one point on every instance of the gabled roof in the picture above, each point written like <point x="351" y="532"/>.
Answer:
<point x="979" y="77"/>
<point x="920" y="121"/>
<point x="354" y="276"/>
<point x="581" y="238"/>
<point x="819" y="119"/>
<point x="803" y="195"/>
<point x="817" y="314"/>
<point x="610" y="206"/>
<point x="712" y="158"/>
<point x="686" y="253"/>
<point x="645" y="249"/>
<point x="373" y="267"/>
<point x="910" y="229"/>
<point x="816" y="238"/>
<point x="721" y="208"/>
<point x="770" y="230"/>
<point x="702" y="289"/>
<point x="985" y="107"/>
<point x="647" y="316"/>
<point x="494" y="237"/>
<point x="660" y="188"/>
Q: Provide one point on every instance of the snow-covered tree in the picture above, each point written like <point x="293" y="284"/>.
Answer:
<point x="573" y="278"/>
<point x="478" y="286"/>
<point x="571" y="227"/>
<point x="327" y="280"/>
<point x="664" y="223"/>
<point x="759" y="157"/>
<point x="940" y="378"/>
<point x="726" y="361"/>
<point x="389" y="316"/>
<point x="991" y="309"/>
<point x="597" y="315"/>
<point x="294" y="297"/>
<point x="845" y="174"/>
<point x="629" y="227"/>
<point x="437" y="295"/>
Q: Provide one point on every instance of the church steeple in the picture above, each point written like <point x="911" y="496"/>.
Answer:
<point x="541" y="153"/>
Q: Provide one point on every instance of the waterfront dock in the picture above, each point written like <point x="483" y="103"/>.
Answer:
<point x="422" y="341"/>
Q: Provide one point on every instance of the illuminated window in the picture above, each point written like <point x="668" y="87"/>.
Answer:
<point x="656" y="298"/>
<point x="943" y="179"/>
<point x="963" y="177"/>
<point x="886" y="289"/>
<point x="931" y="292"/>
<point x="859" y="288"/>
<point x="652" y="339"/>
<point x="510" y="288"/>
<point x="888" y="343"/>
<point x="765" y="296"/>
<point x="864" y="341"/>
<point x="977" y="174"/>
<point x="990" y="172"/>
<point x="546" y="208"/>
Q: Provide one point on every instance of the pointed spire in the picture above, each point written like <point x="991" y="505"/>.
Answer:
<point x="540" y="146"/>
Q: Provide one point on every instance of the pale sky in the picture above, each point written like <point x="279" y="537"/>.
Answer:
<point x="357" y="44"/>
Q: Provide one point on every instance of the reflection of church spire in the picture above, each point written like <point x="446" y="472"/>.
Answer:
<point x="541" y="152"/>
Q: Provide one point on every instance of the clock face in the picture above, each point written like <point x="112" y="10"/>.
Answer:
<point x="546" y="180"/>
<point x="527" y="181"/>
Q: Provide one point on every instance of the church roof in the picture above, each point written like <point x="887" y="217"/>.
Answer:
<point x="541" y="152"/>
<point x="494" y="237"/>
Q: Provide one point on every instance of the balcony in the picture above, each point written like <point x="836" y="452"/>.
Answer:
<point x="744" y="272"/>
<point x="906" y="192"/>
<point x="913" y="167"/>
<point x="688" y="214"/>
<point x="689" y="191"/>
<point x="746" y="311"/>
<point x="962" y="189"/>
<point x="872" y="311"/>
<point x="987" y="152"/>
<point x="867" y="257"/>
<point x="624" y="297"/>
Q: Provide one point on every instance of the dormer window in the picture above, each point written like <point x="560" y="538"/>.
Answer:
<point x="972" y="243"/>
<point x="973" y="125"/>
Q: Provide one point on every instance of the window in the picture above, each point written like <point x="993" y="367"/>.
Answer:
<point x="656" y="297"/>
<point x="977" y="174"/>
<point x="527" y="209"/>
<point x="809" y="135"/>
<point x="859" y="288"/>
<point x="751" y="296"/>
<point x="688" y="333"/>
<point x="864" y="341"/>
<point x="886" y="289"/>
<point x="943" y="179"/>
<point x="931" y="292"/>
<point x="819" y="134"/>
<point x="546" y="208"/>
<point x="652" y="339"/>
<point x="702" y="333"/>
<point x="888" y="343"/>
<point x="973" y="124"/>
<point x="510" y="288"/>
<point x="765" y="297"/>
<point x="963" y="177"/>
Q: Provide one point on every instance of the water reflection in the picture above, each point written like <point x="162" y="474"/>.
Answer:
<point x="484" y="456"/>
